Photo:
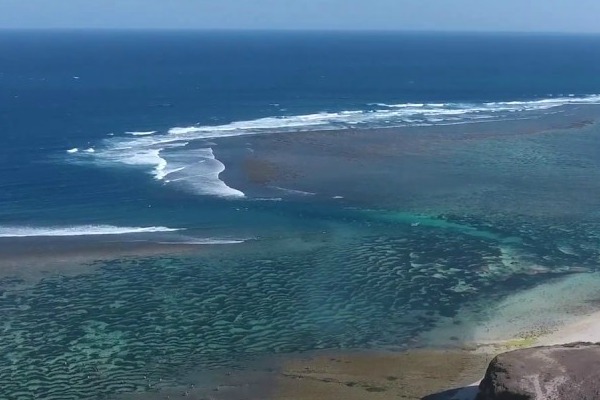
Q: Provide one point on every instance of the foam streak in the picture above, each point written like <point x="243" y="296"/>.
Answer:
<point x="81" y="230"/>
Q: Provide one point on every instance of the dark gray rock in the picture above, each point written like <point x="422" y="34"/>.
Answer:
<point x="563" y="372"/>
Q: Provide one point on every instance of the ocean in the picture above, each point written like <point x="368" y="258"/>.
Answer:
<point x="193" y="201"/>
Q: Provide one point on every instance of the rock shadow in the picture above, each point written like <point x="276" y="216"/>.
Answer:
<point x="465" y="393"/>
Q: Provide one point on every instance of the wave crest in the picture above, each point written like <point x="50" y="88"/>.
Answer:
<point x="381" y="115"/>
<point x="80" y="230"/>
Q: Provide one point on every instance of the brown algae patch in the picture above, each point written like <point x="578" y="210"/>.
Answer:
<point x="378" y="375"/>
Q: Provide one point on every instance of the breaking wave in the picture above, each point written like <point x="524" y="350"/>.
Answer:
<point x="173" y="157"/>
<point x="141" y="133"/>
<point x="81" y="230"/>
<point x="203" y="242"/>
<point x="381" y="115"/>
<point x="198" y="170"/>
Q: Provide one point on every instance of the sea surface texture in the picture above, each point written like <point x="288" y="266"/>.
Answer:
<point x="176" y="202"/>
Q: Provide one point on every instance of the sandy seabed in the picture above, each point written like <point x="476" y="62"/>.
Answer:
<point x="563" y="310"/>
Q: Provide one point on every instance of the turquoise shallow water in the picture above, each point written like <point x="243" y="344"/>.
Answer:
<point x="372" y="282"/>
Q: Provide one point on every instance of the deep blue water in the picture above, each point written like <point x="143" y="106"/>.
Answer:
<point x="108" y="131"/>
<point x="154" y="81"/>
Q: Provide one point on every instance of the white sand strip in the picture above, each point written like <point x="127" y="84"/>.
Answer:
<point x="583" y="329"/>
<point x="560" y="311"/>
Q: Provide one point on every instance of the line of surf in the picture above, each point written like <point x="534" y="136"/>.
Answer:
<point x="380" y="115"/>
<point x="140" y="133"/>
<point x="197" y="170"/>
<point x="170" y="162"/>
<point x="203" y="242"/>
<point x="496" y="106"/>
<point x="167" y="156"/>
<point x="79" y="230"/>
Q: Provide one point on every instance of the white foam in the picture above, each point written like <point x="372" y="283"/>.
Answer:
<point x="138" y="157"/>
<point x="141" y="133"/>
<point x="383" y="115"/>
<point x="169" y="161"/>
<point x="90" y="150"/>
<point x="73" y="150"/>
<point x="208" y="241"/>
<point x="80" y="230"/>
<point x="267" y="199"/>
<point x="198" y="170"/>
<point x="294" y="191"/>
<point x="168" y="158"/>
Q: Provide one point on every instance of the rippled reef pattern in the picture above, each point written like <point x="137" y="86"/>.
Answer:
<point x="136" y="325"/>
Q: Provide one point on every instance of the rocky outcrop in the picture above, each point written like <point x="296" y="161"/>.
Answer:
<point x="563" y="372"/>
